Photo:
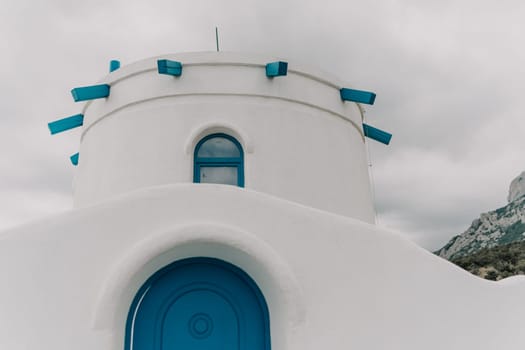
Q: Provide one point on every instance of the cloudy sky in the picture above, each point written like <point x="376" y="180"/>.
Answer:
<point x="449" y="77"/>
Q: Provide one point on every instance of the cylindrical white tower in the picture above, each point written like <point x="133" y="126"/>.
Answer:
<point x="299" y="140"/>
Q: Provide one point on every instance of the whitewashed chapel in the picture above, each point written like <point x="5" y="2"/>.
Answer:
<point x="222" y="202"/>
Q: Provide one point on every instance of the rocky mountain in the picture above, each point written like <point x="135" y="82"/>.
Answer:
<point x="517" y="188"/>
<point x="498" y="227"/>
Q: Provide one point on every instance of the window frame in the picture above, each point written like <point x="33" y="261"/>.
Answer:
<point x="233" y="162"/>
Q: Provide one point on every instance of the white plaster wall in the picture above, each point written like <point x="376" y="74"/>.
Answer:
<point x="301" y="141"/>
<point x="330" y="281"/>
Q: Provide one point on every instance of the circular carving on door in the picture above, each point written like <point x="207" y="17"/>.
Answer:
<point x="200" y="326"/>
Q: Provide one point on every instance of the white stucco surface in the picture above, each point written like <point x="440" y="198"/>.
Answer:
<point x="301" y="141"/>
<point x="301" y="228"/>
<point x="331" y="282"/>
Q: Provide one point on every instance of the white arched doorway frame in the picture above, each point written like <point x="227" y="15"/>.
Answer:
<point x="270" y="271"/>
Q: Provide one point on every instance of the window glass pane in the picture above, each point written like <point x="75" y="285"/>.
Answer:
<point x="218" y="175"/>
<point x="218" y="147"/>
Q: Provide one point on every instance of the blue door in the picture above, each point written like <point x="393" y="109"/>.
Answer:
<point x="199" y="304"/>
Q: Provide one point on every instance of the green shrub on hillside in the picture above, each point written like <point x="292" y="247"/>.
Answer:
<point x="497" y="262"/>
<point x="513" y="233"/>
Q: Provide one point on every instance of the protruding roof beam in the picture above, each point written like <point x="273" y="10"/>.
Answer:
<point x="376" y="134"/>
<point x="65" y="124"/>
<point x="358" y="96"/>
<point x="114" y="65"/>
<point x="90" y="92"/>
<point x="169" y="67"/>
<point x="276" y="69"/>
<point x="74" y="159"/>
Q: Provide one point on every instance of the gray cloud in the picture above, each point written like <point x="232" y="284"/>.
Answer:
<point x="448" y="75"/>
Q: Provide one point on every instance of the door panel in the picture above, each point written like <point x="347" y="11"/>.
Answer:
<point x="200" y="320"/>
<point x="199" y="304"/>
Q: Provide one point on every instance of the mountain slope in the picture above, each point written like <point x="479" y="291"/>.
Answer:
<point x="498" y="227"/>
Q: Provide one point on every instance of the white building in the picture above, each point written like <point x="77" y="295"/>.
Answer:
<point x="289" y="259"/>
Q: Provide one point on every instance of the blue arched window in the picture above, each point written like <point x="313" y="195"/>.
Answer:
<point x="219" y="159"/>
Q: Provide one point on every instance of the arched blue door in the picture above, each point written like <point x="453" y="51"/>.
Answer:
<point x="198" y="304"/>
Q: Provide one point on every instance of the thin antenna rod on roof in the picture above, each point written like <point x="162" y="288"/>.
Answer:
<point x="217" y="38"/>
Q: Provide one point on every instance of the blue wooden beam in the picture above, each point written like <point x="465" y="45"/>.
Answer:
<point x="66" y="123"/>
<point x="275" y="69"/>
<point x="114" y="65"/>
<point x="358" y="96"/>
<point x="90" y="92"/>
<point x="376" y="134"/>
<point x="74" y="159"/>
<point x="169" y="67"/>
